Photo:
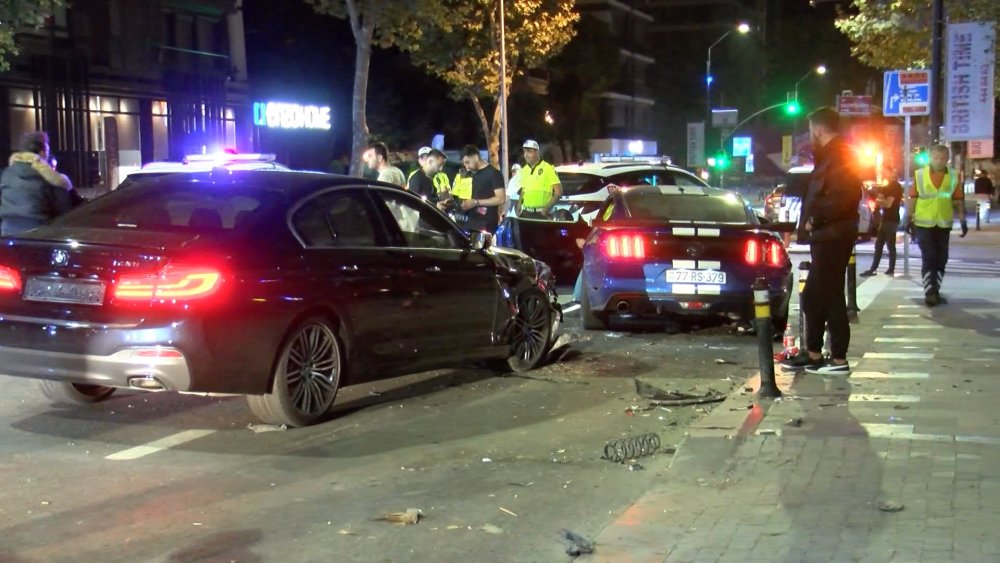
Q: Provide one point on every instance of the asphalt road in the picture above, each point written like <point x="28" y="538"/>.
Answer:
<point x="498" y="464"/>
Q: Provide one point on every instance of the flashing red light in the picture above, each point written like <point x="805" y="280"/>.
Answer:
<point x="629" y="246"/>
<point x="769" y="252"/>
<point x="172" y="282"/>
<point x="10" y="279"/>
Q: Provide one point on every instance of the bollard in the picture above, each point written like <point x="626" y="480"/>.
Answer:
<point x="803" y="276"/>
<point x="765" y="330"/>
<point x="852" y="288"/>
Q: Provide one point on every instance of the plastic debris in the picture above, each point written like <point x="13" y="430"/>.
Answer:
<point x="575" y="544"/>
<point x="635" y="466"/>
<point x="411" y="516"/>
<point x="502" y="509"/>
<point x="487" y="460"/>
<point x="890" y="506"/>
<point x="491" y="529"/>
<point x="258" y="428"/>
<point x="659" y="397"/>
<point x="795" y="422"/>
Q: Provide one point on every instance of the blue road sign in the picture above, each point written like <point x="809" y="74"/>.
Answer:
<point x="906" y="92"/>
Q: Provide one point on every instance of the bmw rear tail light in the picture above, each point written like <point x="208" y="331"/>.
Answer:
<point x="173" y="282"/>
<point x="767" y="253"/>
<point x="625" y="246"/>
<point x="10" y="279"/>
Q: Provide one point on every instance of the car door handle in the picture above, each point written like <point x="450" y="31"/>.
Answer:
<point x="432" y="269"/>
<point x="349" y="268"/>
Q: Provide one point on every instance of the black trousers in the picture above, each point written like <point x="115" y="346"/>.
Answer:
<point x="823" y="302"/>
<point x="933" y="242"/>
<point x="886" y="237"/>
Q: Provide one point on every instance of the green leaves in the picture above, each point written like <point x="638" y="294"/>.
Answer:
<point x="15" y="15"/>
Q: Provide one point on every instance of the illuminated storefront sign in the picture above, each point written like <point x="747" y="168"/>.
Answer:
<point x="290" y="116"/>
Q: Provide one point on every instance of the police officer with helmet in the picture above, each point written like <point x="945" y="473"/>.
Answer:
<point x="540" y="186"/>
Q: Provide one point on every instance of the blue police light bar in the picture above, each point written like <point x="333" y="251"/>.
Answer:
<point x="708" y="79"/>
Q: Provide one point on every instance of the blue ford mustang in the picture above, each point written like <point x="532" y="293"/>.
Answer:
<point x="661" y="253"/>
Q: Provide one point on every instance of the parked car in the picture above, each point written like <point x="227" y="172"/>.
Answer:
<point x="675" y="253"/>
<point x="206" y="163"/>
<point x="795" y="187"/>
<point x="586" y="187"/>
<point x="281" y="286"/>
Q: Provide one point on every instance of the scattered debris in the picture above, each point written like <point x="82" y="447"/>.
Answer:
<point x="575" y="544"/>
<point x="890" y="506"/>
<point x="258" y="428"/>
<point x="502" y="509"/>
<point x="411" y="516"/>
<point x="767" y="432"/>
<point x="374" y="393"/>
<point x="795" y="422"/>
<point x="528" y="484"/>
<point x="660" y="397"/>
<point x="900" y="407"/>
<point x="720" y="361"/>
<point x="489" y="529"/>
<point x="487" y="460"/>
<point x="346" y="532"/>
<point x="635" y="466"/>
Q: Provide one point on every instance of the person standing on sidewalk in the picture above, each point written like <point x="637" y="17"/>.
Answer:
<point x="540" y="186"/>
<point x="483" y="208"/>
<point x="829" y="222"/>
<point x="935" y="199"/>
<point x="376" y="157"/>
<point x="889" y="199"/>
<point x="32" y="192"/>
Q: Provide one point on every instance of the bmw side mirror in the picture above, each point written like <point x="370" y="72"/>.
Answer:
<point x="481" y="240"/>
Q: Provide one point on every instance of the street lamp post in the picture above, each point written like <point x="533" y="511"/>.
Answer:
<point x="504" y="144"/>
<point x="820" y="70"/>
<point x="741" y="28"/>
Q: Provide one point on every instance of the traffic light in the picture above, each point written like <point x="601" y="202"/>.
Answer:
<point x="719" y="161"/>
<point x="922" y="158"/>
<point x="793" y="108"/>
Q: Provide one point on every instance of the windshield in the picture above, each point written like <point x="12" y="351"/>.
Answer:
<point x="650" y="206"/>
<point x="174" y="204"/>
<point x="575" y="183"/>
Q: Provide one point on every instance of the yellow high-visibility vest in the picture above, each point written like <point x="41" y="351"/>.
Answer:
<point x="462" y="187"/>
<point x="934" y="205"/>
<point x="536" y="185"/>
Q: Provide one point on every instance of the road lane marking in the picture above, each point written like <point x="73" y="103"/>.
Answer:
<point x="905" y="432"/>
<point x="890" y="375"/>
<point x="571" y="308"/>
<point x="910" y="327"/>
<point x="159" y="445"/>
<point x="898" y="356"/>
<point x="872" y="398"/>
<point x="907" y="306"/>
<point x="906" y="340"/>
<point x="905" y="316"/>
<point x="868" y="291"/>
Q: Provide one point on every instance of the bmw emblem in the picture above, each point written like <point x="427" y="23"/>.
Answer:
<point x="60" y="257"/>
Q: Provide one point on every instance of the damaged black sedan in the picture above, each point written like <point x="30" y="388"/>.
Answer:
<point x="281" y="286"/>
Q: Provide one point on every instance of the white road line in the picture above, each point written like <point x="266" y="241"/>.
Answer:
<point x="159" y="445"/>
<point x="868" y="291"/>
<point x="890" y="375"/>
<point x="905" y="432"/>
<point x="898" y="356"/>
<point x="907" y="306"/>
<point x="911" y="327"/>
<point x="571" y="308"/>
<point x="905" y="316"/>
<point x="906" y="340"/>
<point x="861" y="397"/>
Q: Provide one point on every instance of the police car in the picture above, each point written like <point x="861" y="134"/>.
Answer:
<point x="587" y="186"/>
<point x="206" y="163"/>
<point x="789" y="208"/>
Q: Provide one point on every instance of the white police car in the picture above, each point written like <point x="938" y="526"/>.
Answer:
<point x="206" y="163"/>
<point x="796" y="184"/>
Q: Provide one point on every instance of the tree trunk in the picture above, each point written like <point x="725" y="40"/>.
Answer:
<point x="363" y="32"/>
<point x="494" y="144"/>
<point x="481" y="115"/>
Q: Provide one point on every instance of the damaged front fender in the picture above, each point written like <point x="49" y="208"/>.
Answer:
<point x="517" y="273"/>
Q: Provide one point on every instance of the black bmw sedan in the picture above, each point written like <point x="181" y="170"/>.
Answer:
<point x="281" y="286"/>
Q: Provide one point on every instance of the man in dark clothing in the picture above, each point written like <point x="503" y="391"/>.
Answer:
<point x="889" y="198"/>
<point x="32" y="193"/>
<point x="488" y="194"/>
<point x="421" y="182"/>
<point x="829" y="222"/>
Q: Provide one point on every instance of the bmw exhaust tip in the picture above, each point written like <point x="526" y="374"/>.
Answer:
<point x="146" y="383"/>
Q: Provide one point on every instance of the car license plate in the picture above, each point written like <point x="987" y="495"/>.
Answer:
<point x="714" y="277"/>
<point x="58" y="290"/>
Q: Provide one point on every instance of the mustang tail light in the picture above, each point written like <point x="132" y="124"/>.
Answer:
<point x="625" y="246"/>
<point x="173" y="282"/>
<point x="768" y="253"/>
<point x="10" y="279"/>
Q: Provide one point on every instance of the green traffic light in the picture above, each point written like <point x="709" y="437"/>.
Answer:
<point x="922" y="158"/>
<point x="721" y="161"/>
<point x="793" y="108"/>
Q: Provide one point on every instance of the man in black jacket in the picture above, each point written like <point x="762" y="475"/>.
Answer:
<point x="829" y="222"/>
<point x="32" y="193"/>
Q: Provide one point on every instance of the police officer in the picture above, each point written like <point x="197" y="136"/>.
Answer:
<point x="934" y="200"/>
<point x="439" y="179"/>
<point x="540" y="186"/>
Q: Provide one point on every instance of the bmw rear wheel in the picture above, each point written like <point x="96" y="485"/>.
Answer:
<point x="61" y="392"/>
<point x="532" y="333"/>
<point x="306" y="377"/>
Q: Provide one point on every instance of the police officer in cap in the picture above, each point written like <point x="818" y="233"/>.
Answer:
<point x="540" y="186"/>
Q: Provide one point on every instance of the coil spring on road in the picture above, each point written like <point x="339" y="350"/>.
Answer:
<point x="624" y="449"/>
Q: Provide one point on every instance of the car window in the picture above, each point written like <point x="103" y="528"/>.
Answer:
<point x="420" y="224"/>
<point x="688" y="181"/>
<point x="173" y="204"/>
<point x="575" y="183"/>
<point x="652" y="206"/>
<point x="340" y="218"/>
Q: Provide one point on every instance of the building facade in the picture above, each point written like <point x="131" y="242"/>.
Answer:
<point x="626" y="107"/>
<point x="119" y="83"/>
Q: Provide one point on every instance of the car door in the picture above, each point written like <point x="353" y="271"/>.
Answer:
<point x="454" y="289"/>
<point x="355" y="271"/>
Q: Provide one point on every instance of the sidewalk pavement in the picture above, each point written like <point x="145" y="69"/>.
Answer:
<point x="816" y="475"/>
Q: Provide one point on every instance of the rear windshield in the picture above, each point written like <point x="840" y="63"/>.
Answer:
<point x="684" y="208"/>
<point x="174" y="204"/>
